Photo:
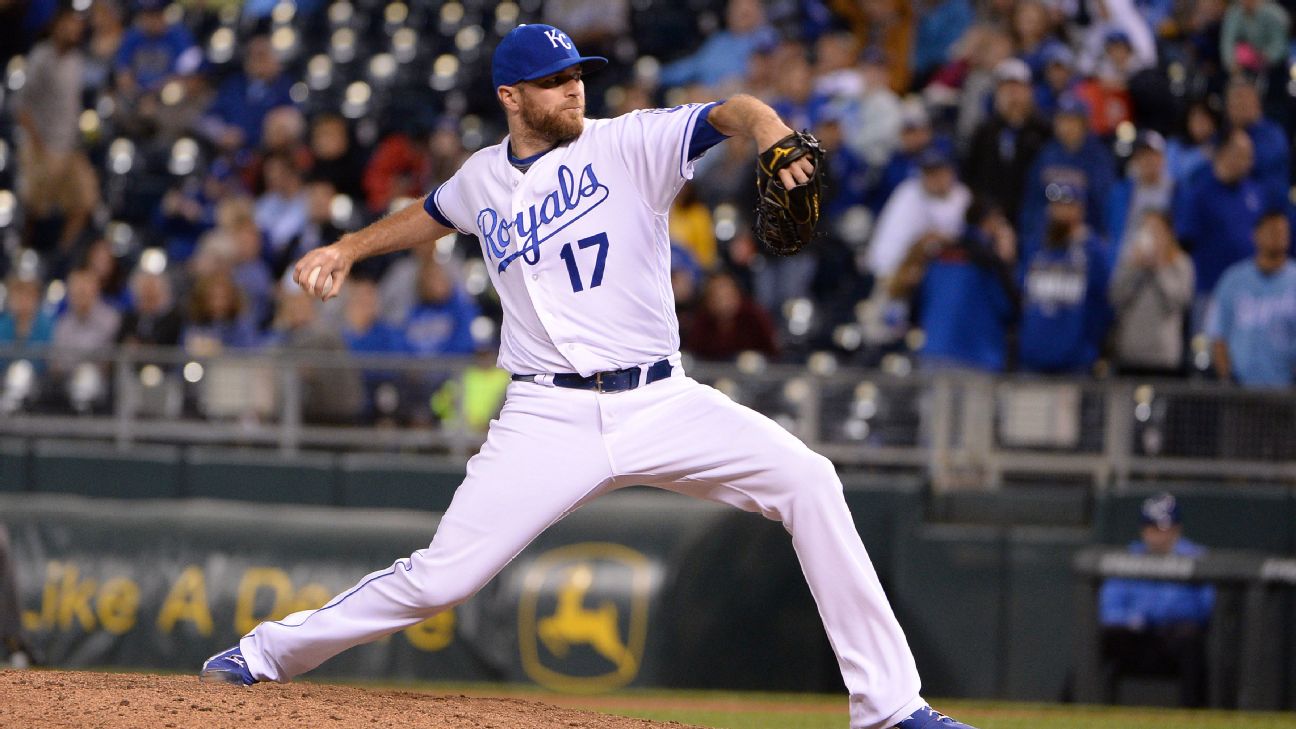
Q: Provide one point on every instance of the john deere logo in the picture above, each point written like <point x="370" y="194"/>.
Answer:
<point x="583" y="617"/>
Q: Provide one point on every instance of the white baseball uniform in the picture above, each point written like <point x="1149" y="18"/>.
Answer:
<point x="577" y="247"/>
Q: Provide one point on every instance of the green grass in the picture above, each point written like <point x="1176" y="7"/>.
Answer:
<point x="993" y="716"/>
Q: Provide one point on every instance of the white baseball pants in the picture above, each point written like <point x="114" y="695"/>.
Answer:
<point x="554" y="449"/>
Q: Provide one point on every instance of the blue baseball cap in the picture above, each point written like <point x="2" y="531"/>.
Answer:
<point x="1116" y="35"/>
<point x="933" y="157"/>
<point x="1059" y="53"/>
<point x="1161" y="511"/>
<point x="1072" y="104"/>
<point x="534" y="51"/>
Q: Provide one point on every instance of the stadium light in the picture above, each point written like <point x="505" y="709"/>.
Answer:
<point x="153" y="261"/>
<point x="444" y="70"/>
<point x="55" y="293"/>
<point x="8" y="208"/>
<point x="342" y="45"/>
<point x="121" y="237"/>
<point x="284" y="42"/>
<point x="506" y="14"/>
<point x="85" y="386"/>
<point x="726" y="221"/>
<point x="405" y="45"/>
<point x="356" y="102"/>
<point x="184" y="157"/>
<point x="468" y="38"/>
<point x="121" y="156"/>
<point x="451" y="16"/>
<point x="220" y="47"/>
<point x="283" y="12"/>
<point x="173" y="92"/>
<point x="475" y="277"/>
<point x="319" y="72"/>
<point x="848" y="337"/>
<point x="19" y="381"/>
<point x="341" y="210"/>
<point x="395" y="14"/>
<point x="382" y="67"/>
<point x="796" y="391"/>
<point x="822" y="363"/>
<point x="16" y="73"/>
<point x="105" y="107"/>
<point x="150" y="375"/>
<point x="482" y="330"/>
<point x="798" y="312"/>
<point x="856" y="429"/>
<point x="340" y="13"/>
<point x="750" y="363"/>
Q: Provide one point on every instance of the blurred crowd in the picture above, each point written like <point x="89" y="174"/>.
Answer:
<point x="1057" y="186"/>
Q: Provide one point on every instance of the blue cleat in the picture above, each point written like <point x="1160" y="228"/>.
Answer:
<point x="227" y="667"/>
<point x="929" y="718"/>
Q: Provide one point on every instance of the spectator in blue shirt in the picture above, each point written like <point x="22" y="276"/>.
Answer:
<point x="796" y="99"/>
<point x="1075" y="158"/>
<point x="218" y="317"/>
<point x="916" y="135"/>
<point x="441" y="320"/>
<point x="234" y="120"/>
<point x="1272" y="169"/>
<point x="365" y="333"/>
<point x="23" y="322"/>
<point x="1252" y="324"/>
<point x="723" y="57"/>
<point x="153" y="51"/>
<point x="1189" y="154"/>
<point x="1057" y="78"/>
<point x="1217" y="213"/>
<point x="967" y="295"/>
<point x="1065" y="314"/>
<point x="1158" y="627"/>
<point x="282" y="211"/>
<point x="1147" y="188"/>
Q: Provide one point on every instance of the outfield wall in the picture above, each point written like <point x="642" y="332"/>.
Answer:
<point x="679" y="593"/>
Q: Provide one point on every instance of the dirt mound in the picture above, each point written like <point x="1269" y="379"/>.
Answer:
<point x="85" y="700"/>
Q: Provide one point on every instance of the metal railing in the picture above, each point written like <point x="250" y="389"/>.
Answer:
<point x="964" y="430"/>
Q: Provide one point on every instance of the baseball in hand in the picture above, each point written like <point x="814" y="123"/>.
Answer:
<point x="314" y="275"/>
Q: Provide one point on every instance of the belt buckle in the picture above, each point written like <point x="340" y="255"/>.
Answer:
<point x="598" y="382"/>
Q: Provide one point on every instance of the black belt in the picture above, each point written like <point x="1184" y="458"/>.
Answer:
<point x="611" y="381"/>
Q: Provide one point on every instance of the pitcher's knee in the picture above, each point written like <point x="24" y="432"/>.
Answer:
<point x="446" y="589"/>
<point x="819" y="476"/>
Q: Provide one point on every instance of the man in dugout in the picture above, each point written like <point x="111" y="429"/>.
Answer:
<point x="1156" y="627"/>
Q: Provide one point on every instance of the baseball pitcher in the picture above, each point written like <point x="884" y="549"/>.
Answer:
<point x="571" y="214"/>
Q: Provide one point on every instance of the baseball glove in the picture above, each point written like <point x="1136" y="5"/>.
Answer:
<point x="786" y="219"/>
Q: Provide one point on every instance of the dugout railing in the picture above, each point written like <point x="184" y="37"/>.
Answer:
<point x="962" y="430"/>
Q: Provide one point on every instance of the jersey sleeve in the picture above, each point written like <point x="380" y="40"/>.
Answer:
<point x="658" y="148"/>
<point x="446" y="206"/>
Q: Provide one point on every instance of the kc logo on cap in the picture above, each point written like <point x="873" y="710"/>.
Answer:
<point x="534" y="51"/>
<point x="557" y="37"/>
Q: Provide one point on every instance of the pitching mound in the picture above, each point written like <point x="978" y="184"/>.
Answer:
<point x="85" y="700"/>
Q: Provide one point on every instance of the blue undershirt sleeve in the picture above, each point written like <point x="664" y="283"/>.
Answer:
<point x="705" y="136"/>
<point x="430" y="205"/>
